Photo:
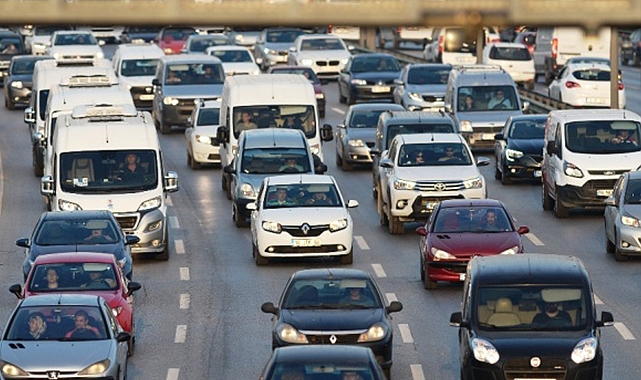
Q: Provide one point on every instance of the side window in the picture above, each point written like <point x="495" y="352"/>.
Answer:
<point x="558" y="140"/>
<point x="392" y="150"/>
<point x="618" y="187"/>
<point x="111" y="320"/>
<point x="260" y="195"/>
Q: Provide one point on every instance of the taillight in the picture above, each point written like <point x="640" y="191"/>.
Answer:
<point x="555" y="47"/>
<point x="398" y="30"/>
<point x="621" y="87"/>
<point x="329" y="28"/>
<point x="441" y="41"/>
<point x="570" y="84"/>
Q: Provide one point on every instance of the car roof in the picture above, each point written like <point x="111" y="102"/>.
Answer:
<point x="336" y="354"/>
<point x="376" y="106"/>
<point x="75" y="257"/>
<point x="31" y="57"/>
<point x="537" y="117"/>
<point x="209" y="104"/>
<point x="508" y="45"/>
<point x="399" y="117"/>
<point x="454" y="203"/>
<point x="428" y="138"/>
<point x="594" y="115"/>
<point x="190" y="58"/>
<point x="372" y="55"/>
<point x="291" y="179"/>
<point x="149" y="50"/>
<point x="334" y="273"/>
<point x="435" y="66"/>
<point x="76" y="214"/>
<point x="61" y="299"/>
<point x="273" y="137"/>
<point x="71" y="32"/>
<point x="227" y="48"/>
<point x="318" y="36"/>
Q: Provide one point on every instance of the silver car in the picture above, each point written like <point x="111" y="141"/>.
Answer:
<point x="273" y="46"/>
<point x="623" y="217"/>
<point x="422" y="86"/>
<point x="58" y="336"/>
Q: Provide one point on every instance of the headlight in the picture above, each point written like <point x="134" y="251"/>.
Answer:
<point x="168" y="51"/>
<point x="57" y="55"/>
<point x="320" y="96"/>
<point x="169" y="101"/>
<point x="203" y="139"/>
<point x="100" y="55"/>
<point x="11" y="370"/>
<point x="272" y="227"/>
<point x="239" y="38"/>
<point x="150" y="203"/>
<point x="584" y="351"/>
<point x="465" y="126"/>
<point x="289" y="334"/>
<point x="358" y="82"/>
<point x="629" y="221"/>
<point x="17" y="84"/>
<point x="374" y="333"/>
<point x="306" y="62"/>
<point x="511" y="251"/>
<point x="401" y="184"/>
<point x="39" y="45"/>
<point x="512" y="154"/>
<point x="439" y="254"/>
<point x="338" y="225"/>
<point x="269" y="51"/>
<point x="116" y="311"/>
<point x="474" y="183"/>
<point x="414" y="96"/>
<point x="484" y="351"/>
<point x="255" y="72"/>
<point x="96" y="368"/>
<point x="572" y="170"/>
<point x="344" y="61"/>
<point x="247" y="191"/>
<point x="315" y="149"/>
<point x="355" y="143"/>
<point x="68" y="206"/>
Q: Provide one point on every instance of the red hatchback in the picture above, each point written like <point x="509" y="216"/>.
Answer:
<point x="171" y="39"/>
<point x="87" y="273"/>
<point x="460" y="229"/>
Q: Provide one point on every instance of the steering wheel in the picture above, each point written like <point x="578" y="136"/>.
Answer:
<point x="499" y="106"/>
<point x="290" y="170"/>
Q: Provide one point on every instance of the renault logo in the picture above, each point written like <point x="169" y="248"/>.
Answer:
<point x="535" y="362"/>
<point x="333" y="339"/>
<point x="439" y="186"/>
<point x="305" y="228"/>
<point x="53" y="375"/>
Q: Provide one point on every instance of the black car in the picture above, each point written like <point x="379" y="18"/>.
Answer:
<point x="11" y="44"/>
<point x="78" y="231"/>
<point x="139" y="34"/>
<point x="322" y="363"/>
<point x="19" y="81"/>
<point x="368" y="77"/>
<point x="529" y="316"/>
<point x="518" y="149"/>
<point x="334" y="306"/>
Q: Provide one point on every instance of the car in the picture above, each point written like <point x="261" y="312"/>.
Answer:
<point x="308" y="362"/>
<point x="66" y="231"/>
<point x="105" y="33"/>
<point x="416" y="34"/>
<point x="327" y="55"/>
<point x="135" y="66"/>
<point x="422" y="86"/>
<point x="527" y="38"/>
<point x="19" y="80"/>
<point x="514" y="58"/>
<point x="74" y="45"/>
<point x="299" y="216"/>
<point x="309" y="73"/>
<point x="198" y="43"/>
<point x="334" y="306"/>
<point x="237" y="60"/>
<point x="82" y="339"/>
<point x="368" y="77"/>
<point x="622" y="215"/>
<point x="422" y="170"/>
<point x="585" y="85"/>
<point x="451" y="45"/>
<point x="272" y="46"/>
<point x="518" y="148"/>
<point x="635" y="41"/>
<point x="244" y="36"/>
<point x="38" y="42"/>
<point x="171" y="39"/>
<point x="139" y="34"/>
<point x="84" y="273"/>
<point x="10" y="45"/>
<point x="346" y="33"/>
<point x="460" y="229"/>
<point x="356" y="134"/>
<point x="200" y="136"/>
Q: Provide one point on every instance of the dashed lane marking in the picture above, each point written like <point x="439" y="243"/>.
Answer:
<point x="169" y="201"/>
<point x="185" y="300"/>
<point x="417" y="372"/>
<point x="184" y="273"/>
<point x="173" y="222"/>
<point x="378" y="269"/>
<point x="535" y="240"/>
<point x="179" y="246"/>
<point x="597" y="300"/>
<point x="625" y="333"/>
<point x="362" y="244"/>
<point x="391" y="297"/>
<point x="406" y="334"/>
<point x="172" y="373"/>
<point x="338" y="110"/>
<point x="181" y="334"/>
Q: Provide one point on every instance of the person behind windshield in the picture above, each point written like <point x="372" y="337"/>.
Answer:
<point x="245" y="122"/>
<point x="351" y="375"/>
<point x="490" y="222"/>
<point x="37" y="326"/>
<point x="355" y="296"/>
<point x="96" y="281"/>
<point x="469" y="103"/>
<point x="52" y="278"/>
<point x="624" y="137"/>
<point x="10" y="49"/>
<point x="172" y="77"/>
<point x="293" y="122"/>
<point x="81" y="320"/>
<point x="281" y="198"/>
<point x="132" y="171"/>
<point x="291" y="166"/>
<point x="320" y="198"/>
<point x="499" y="101"/>
<point x="449" y="155"/>
<point x="97" y="236"/>
<point x="553" y="316"/>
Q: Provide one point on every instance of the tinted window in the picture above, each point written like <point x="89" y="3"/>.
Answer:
<point x="321" y="370"/>
<point x="231" y="56"/>
<point x="364" y="119"/>
<point x="138" y="67"/>
<point x="602" y="137"/>
<point x="510" y="53"/>
<point x="209" y="116"/>
<point x="458" y="41"/>
<point x="330" y="292"/>
<point x="275" y="160"/>
<point x="427" y="75"/>
<point x="307" y="72"/>
<point x="194" y="74"/>
<point x="201" y="44"/>
<point x="76" y="232"/>
<point x="75" y="39"/>
<point x="592" y="75"/>
<point x="438" y="154"/>
<point x="23" y="67"/>
<point x="369" y="64"/>
<point x="322" y="44"/>
<point x="528" y="130"/>
<point x="283" y="36"/>
<point x="633" y="191"/>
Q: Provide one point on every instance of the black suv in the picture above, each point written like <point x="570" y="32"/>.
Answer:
<point x="10" y="45"/>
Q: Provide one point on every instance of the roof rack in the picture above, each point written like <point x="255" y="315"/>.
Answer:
<point x="95" y="80"/>
<point x="104" y="112"/>
<point x="478" y="68"/>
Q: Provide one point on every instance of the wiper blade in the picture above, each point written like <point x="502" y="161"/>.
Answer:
<point x="307" y="307"/>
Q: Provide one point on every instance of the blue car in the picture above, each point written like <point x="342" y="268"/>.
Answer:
<point x="368" y="77"/>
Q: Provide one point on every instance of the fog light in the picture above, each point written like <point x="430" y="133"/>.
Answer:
<point x="354" y="157"/>
<point x="155" y="243"/>
<point x="625" y="244"/>
<point x="341" y="247"/>
<point x="270" y="249"/>
<point x="401" y="204"/>
<point x="513" y="170"/>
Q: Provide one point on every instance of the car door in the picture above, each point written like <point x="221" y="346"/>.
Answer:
<point x="499" y="145"/>
<point x="344" y="78"/>
<point x="399" y="89"/>
<point x="341" y="135"/>
<point x="387" y="173"/>
<point x="292" y="57"/>
<point x="255" y="219"/>
<point x="612" y="212"/>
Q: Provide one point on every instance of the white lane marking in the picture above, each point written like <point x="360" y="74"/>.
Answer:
<point x="535" y="240"/>
<point x="184" y="273"/>
<point x="406" y="334"/>
<point x="391" y="297"/>
<point x="378" y="269"/>
<point x="625" y="333"/>
<point x="597" y="300"/>
<point x="172" y="373"/>
<point x="1" y="184"/>
<point x="362" y="244"/>
<point x="417" y="372"/>
<point x="179" y="246"/>
<point x="338" y="110"/>
<point x="169" y="201"/>
<point x="185" y="300"/>
<point x="173" y="222"/>
<point x="181" y="334"/>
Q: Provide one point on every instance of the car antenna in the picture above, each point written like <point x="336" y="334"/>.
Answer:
<point x="432" y="136"/>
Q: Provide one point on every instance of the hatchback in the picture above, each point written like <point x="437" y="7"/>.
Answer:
<point x="622" y="215"/>
<point x="585" y="85"/>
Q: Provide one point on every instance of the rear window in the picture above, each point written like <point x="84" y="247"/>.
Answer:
<point x="458" y="41"/>
<point x="592" y="75"/>
<point x="510" y="53"/>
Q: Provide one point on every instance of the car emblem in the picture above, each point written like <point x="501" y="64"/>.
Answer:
<point x="380" y="82"/>
<point x="305" y="228"/>
<point x="110" y="205"/>
<point x="148" y="89"/>
<point x="535" y="362"/>
<point x="53" y="375"/>
<point x="439" y="186"/>
<point x="609" y="172"/>
<point x="333" y="339"/>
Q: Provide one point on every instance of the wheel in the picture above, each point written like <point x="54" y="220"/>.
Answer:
<point x="195" y="165"/>
<point x="619" y="256"/>
<point x="131" y="345"/>
<point x="347" y="166"/>
<point x="223" y="182"/>
<point x="637" y="61"/>
<point x="497" y="172"/>
<point x="350" y="99"/>
<point x="388" y="372"/>
<point x="347" y="259"/>
<point x="260" y="260"/>
<point x="321" y="114"/>
<point x="164" y="255"/>
<point x="427" y="283"/>
<point x="395" y="225"/>
<point x="381" y="211"/>
<point x="546" y="199"/>
<point x="240" y="221"/>
<point x="422" y="268"/>
<point x="339" y="159"/>
<point x="609" y="246"/>
<point x="165" y="129"/>
<point x="341" y="98"/>
<point x="374" y="192"/>
<point x="560" y="211"/>
<point x="8" y="104"/>
<point x="505" y="180"/>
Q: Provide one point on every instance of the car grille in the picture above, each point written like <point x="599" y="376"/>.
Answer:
<point x="313" y="230"/>
<point x="600" y="184"/>
<point x="487" y="128"/>
<point x="325" y="339"/>
<point x="4" y="64"/>
<point x="537" y="158"/>
<point x="433" y="99"/>
<point x="327" y="63"/>
<point x="127" y="222"/>
<point x="439" y="186"/>
<point x="283" y="53"/>
<point x="62" y="375"/>
<point x="78" y="56"/>
<point x="608" y="173"/>
<point x="370" y="145"/>
<point x="521" y="369"/>
<point x="379" y="82"/>
<point x="285" y="249"/>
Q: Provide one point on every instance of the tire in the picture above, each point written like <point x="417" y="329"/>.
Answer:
<point x="239" y="221"/>
<point x="396" y="44"/>
<point x="131" y="346"/>
<point x="396" y="227"/>
<point x="422" y="267"/>
<point x="609" y="246"/>
<point x="347" y="259"/>
<point x="38" y="166"/>
<point x="497" y="172"/>
<point x="9" y="105"/>
<point x="619" y="256"/>
<point x="341" y="98"/>
<point x="350" y="98"/>
<point x="165" y="129"/>
<point x="560" y="211"/>
<point x="347" y="166"/>
<point x="223" y="182"/>
<point x="505" y="180"/>
<point x="374" y="192"/>
<point x="339" y="159"/>
<point x="195" y="165"/>
<point x="260" y="260"/>
<point x="164" y="255"/>
<point x="382" y="216"/>
<point x="427" y="283"/>
<point x="546" y="201"/>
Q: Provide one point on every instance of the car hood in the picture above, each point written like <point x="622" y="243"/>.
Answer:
<point x="44" y="40"/>
<point x="493" y="118"/>
<point x="279" y="46"/>
<point x="470" y="244"/>
<point x="232" y="68"/>
<point x="175" y="46"/>
<point x="334" y="320"/>
<point x="375" y="76"/>
<point x="539" y="343"/>
<point x="76" y="49"/>
<point x="296" y="216"/>
<point x="115" y="249"/>
<point x="40" y="356"/>
<point x="632" y="210"/>
<point x="443" y="173"/>
<point x="365" y="134"/>
<point x="142" y="81"/>
<point x="193" y="91"/>
<point x="433" y="89"/>
<point x="206" y="130"/>
<point x="324" y="54"/>
<point x="528" y="146"/>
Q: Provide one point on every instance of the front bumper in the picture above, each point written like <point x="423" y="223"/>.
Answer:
<point x="519" y="368"/>
<point x="523" y="167"/>
<point x="628" y="239"/>
<point x="178" y="114"/>
<point x="427" y="102"/>
<point x="483" y="138"/>
<point x="143" y="97"/>
<point x="590" y="195"/>
<point x="409" y="205"/>
<point x="319" y="242"/>
<point x="328" y="69"/>
<point x="206" y="153"/>
<point x="270" y="60"/>
<point x="358" y="154"/>
<point x="447" y="270"/>
<point x="150" y="227"/>
<point x="21" y="96"/>
<point x="372" y="92"/>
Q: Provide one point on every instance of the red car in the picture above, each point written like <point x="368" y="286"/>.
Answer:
<point x="87" y="273"/>
<point x="309" y="73"/>
<point x="172" y="39"/>
<point x="460" y="229"/>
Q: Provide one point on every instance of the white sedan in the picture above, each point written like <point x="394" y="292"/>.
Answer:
<point x="585" y="85"/>
<point x="514" y="58"/>
<point x="200" y="136"/>
<point x="301" y="216"/>
<point x="237" y="60"/>
<point x="73" y="45"/>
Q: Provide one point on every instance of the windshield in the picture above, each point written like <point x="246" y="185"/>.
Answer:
<point x="75" y="39"/>
<point x="487" y="98"/>
<point x="478" y="219"/>
<point x="541" y="308"/>
<point x="138" y="67"/>
<point x="528" y="130"/>
<point x="75" y="277"/>
<point x="321" y="44"/>
<point x="428" y="75"/>
<point x="331" y="293"/>
<point x="10" y="46"/>
<point x="438" y="154"/>
<point x="208" y="116"/>
<point x="364" y="64"/>
<point x="365" y="119"/>
<point x="303" y="195"/>
<point x="307" y="72"/>
<point x="69" y="323"/>
<point x="48" y="30"/>
<point x="404" y="129"/>
<point x="633" y="191"/>
<point x="23" y="67"/>
<point x="231" y="56"/>
<point x="602" y="136"/>
<point x="510" y="53"/>
<point x="194" y="74"/>
<point x="77" y="232"/>
<point x="201" y="44"/>
<point x="321" y="370"/>
<point x="275" y="160"/>
<point x="302" y="117"/>
<point x="283" y="36"/>
<point x="108" y="171"/>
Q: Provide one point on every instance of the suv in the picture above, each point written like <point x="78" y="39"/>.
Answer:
<point x="421" y="170"/>
<point x="10" y="46"/>
<point x="265" y="152"/>
<point x="505" y="332"/>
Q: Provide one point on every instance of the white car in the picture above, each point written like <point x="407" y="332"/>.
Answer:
<point x="200" y="135"/>
<point x="298" y="216"/>
<point x="514" y="58"/>
<point x="39" y="41"/>
<point x="327" y="55"/>
<point x="237" y="60"/>
<point x="585" y="85"/>
<point x="347" y="33"/>
<point x="72" y="45"/>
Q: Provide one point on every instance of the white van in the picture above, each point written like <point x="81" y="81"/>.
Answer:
<point x="266" y="102"/>
<point x="45" y="74"/>
<point x="108" y="158"/>
<point x="584" y="154"/>
<point x="135" y="65"/>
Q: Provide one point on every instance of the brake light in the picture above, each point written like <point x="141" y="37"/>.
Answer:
<point x="398" y="30"/>
<point x="329" y="28"/>
<point x="621" y="87"/>
<point x="570" y="84"/>
<point x="441" y="41"/>
<point x="555" y="47"/>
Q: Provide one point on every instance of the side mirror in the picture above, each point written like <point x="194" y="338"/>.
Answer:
<point x="456" y="320"/>
<point x="292" y="49"/>
<point x="448" y="108"/>
<point x="131" y="239"/>
<point x="46" y="185"/>
<point x="421" y="231"/>
<point x="171" y="182"/>
<point x="340" y="126"/>
<point x="386" y="163"/>
<point x="17" y="290"/>
<point x="482" y="161"/>
<point x="499" y="136"/>
<point x="320" y="168"/>
<point x="606" y="319"/>
<point x="394" y="307"/>
<point x="23" y="242"/>
<point x="269" y="308"/>
<point x="398" y="82"/>
<point x="326" y="133"/>
<point x="609" y="201"/>
<point x="29" y="115"/>
<point x="526" y="106"/>
<point x="523" y="230"/>
<point x="189" y="123"/>
<point x="133" y="286"/>
<point x="155" y="82"/>
<point x="222" y="134"/>
<point x="252" y="206"/>
<point x="229" y="169"/>
<point x="550" y="147"/>
<point x="352" y="203"/>
<point x="123" y="337"/>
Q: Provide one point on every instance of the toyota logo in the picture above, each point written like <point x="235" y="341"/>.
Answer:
<point x="305" y="228"/>
<point x="439" y="186"/>
<point x="53" y="375"/>
<point x="535" y="362"/>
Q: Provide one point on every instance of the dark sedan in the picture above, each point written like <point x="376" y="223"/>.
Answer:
<point x="518" y="149"/>
<point x="334" y="306"/>
<point x="139" y="34"/>
<point x="78" y="231"/>
<point x="19" y="81"/>
<point x="368" y="77"/>
<point x="309" y="73"/>
<point x="460" y="229"/>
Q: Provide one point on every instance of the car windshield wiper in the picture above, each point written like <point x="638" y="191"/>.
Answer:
<point x="299" y="307"/>
<point x="344" y="306"/>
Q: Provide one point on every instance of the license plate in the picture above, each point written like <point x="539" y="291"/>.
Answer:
<point x="537" y="173"/>
<point x="594" y="100"/>
<point x="487" y="136"/>
<point x="603" y="193"/>
<point x="461" y="276"/>
<point x="379" y="89"/>
<point x="306" y="242"/>
<point x="146" y="97"/>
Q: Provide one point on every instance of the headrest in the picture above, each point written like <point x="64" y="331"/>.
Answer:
<point x="503" y="305"/>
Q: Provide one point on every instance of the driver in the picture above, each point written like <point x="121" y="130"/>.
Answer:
<point x="499" y="101"/>
<point x="97" y="235"/>
<point x="291" y="166"/>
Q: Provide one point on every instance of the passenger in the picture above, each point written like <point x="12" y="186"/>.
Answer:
<point x="553" y="316"/>
<point x="38" y="326"/>
<point x="355" y="297"/>
<point x="245" y="122"/>
<point x="320" y="198"/>
<point x="96" y="281"/>
<point x="449" y="155"/>
<point x="293" y="122"/>
<point x="81" y="319"/>
<point x="281" y="198"/>
<point x="418" y="158"/>
<point x="499" y="101"/>
<point x="172" y="77"/>
<point x="97" y="236"/>
<point x="291" y="166"/>
<point x="469" y="104"/>
<point x="132" y="171"/>
<point x="10" y="49"/>
<point x="490" y="222"/>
